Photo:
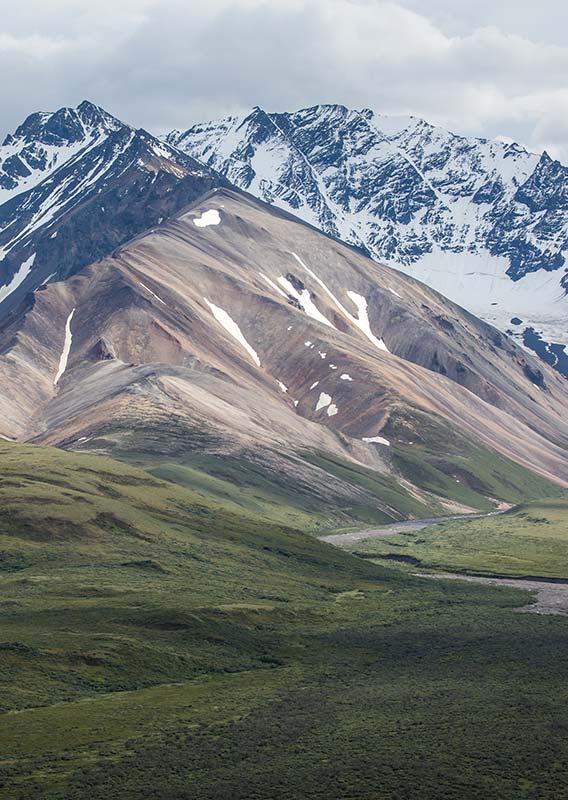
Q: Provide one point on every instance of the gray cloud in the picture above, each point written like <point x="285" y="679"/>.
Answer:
<point x="485" y="69"/>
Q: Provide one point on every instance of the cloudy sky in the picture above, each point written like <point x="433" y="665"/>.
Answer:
<point x="490" y="67"/>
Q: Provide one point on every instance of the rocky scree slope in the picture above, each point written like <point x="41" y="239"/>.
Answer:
<point x="235" y="331"/>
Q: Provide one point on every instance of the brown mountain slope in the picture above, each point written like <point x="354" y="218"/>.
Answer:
<point x="234" y="328"/>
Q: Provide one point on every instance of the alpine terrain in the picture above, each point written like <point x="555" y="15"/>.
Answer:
<point x="76" y="183"/>
<point x="225" y="438"/>
<point x="482" y="221"/>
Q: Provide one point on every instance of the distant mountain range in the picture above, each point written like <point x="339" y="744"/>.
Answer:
<point x="483" y="222"/>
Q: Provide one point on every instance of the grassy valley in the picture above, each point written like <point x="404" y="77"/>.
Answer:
<point x="156" y="641"/>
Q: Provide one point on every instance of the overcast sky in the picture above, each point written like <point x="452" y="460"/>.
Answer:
<point x="484" y="67"/>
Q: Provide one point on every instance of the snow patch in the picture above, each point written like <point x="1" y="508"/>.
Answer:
<point x="233" y="329"/>
<point x="345" y="377"/>
<point x="66" y="349"/>
<point x="211" y="217"/>
<point x="376" y="440"/>
<point x="322" y="355"/>
<point x="18" y="279"/>
<point x="151" y="292"/>
<point x="283" y="387"/>
<point x="362" y="320"/>
<point x="275" y="287"/>
<point x="305" y="300"/>
<point x="324" y="400"/>
<point x="332" y="410"/>
<point x="313" y="386"/>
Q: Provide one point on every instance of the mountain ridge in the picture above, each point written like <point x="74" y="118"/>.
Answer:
<point x="235" y="332"/>
<point x="96" y="183"/>
<point x="187" y="318"/>
<point x="482" y="221"/>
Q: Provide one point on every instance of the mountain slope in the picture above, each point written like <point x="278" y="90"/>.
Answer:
<point x="236" y="331"/>
<point x="483" y="222"/>
<point x="74" y="185"/>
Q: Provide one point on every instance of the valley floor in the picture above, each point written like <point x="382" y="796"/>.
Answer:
<point x="548" y="597"/>
<point x="155" y="645"/>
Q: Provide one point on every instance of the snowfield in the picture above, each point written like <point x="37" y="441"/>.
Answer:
<point x="18" y="278"/>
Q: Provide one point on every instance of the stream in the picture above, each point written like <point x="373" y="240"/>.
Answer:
<point x="551" y="596"/>
<point x="347" y="539"/>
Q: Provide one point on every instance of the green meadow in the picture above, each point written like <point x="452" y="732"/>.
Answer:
<point x="163" y="640"/>
<point x="529" y="540"/>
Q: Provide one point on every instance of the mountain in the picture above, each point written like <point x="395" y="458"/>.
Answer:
<point x="75" y="184"/>
<point x="235" y="334"/>
<point x="482" y="221"/>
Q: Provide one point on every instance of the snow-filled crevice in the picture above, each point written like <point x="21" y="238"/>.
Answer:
<point x="360" y="321"/>
<point x="233" y="329"/>
<point x="66" y="349"/>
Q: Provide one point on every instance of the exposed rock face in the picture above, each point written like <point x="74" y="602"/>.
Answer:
<point x="233" y="327"/>
<point x="78" y="183"/>
<point x="483" y="222"/>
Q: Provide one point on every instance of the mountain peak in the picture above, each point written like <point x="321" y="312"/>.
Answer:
<point x="67" y="125"/>
<point x="94" y="115"/>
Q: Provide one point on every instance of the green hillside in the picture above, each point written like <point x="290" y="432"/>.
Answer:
<point x="529" y="540"/>
<point x="156" y="643"/>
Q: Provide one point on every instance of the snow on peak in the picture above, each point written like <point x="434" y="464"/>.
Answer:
<point x="18" y="278"/>
<point x="411" y="193"/>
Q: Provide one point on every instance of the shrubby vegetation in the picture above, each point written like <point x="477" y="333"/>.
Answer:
<point x="156" y="643"/>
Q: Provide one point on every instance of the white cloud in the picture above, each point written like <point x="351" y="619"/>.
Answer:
<point x="486" y="69"/>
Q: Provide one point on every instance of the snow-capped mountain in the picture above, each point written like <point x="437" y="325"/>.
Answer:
<point x="75" y="184"/>
<point x="483" y="222"/>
